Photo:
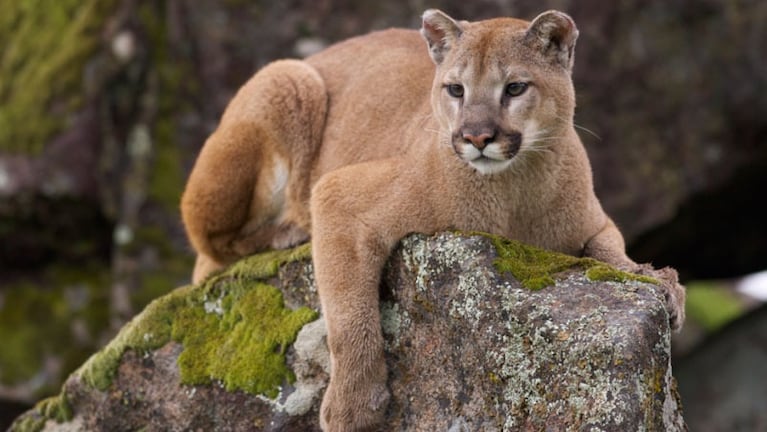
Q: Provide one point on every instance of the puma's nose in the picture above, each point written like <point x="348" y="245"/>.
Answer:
<point x="480" y="141"/>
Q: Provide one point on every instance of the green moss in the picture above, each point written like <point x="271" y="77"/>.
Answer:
<point x="148" y="330"/>
<point x="532" y="267"/>
<point x="266" y="264"/>
<point x="233" y="328"/>
<point x="494" y="378"/>
<point x="55" y="408"/>
<point x="535" y="268"/>
<point x="603" y="272"/>
<point x="45" y="47"/>
<point x="711" y="304"/>
<point x="30" y="422"/>
<point x="245" y="346"/>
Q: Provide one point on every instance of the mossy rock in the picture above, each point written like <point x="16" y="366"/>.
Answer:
<point x="234" y="329"/>
<point x="535" y="268"/>
<point x="223" y="345"/>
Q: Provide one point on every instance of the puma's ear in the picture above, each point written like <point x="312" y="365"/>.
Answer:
<point x="554" y="34"/>
<point x="440" y="32"/>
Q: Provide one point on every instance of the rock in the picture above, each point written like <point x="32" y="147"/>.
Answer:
<point x="469" y="347"/>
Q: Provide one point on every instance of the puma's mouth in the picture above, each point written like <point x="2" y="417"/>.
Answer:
<point x="491" y="155"/>
<point x="492" y="158"/>
<point x="499" y="152"/>
<point x="488" y="165"/>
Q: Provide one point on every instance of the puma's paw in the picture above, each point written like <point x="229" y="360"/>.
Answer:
<point x="673" y="291"/>
<point x="288" y="236"/>
<point x="353" y="409"/>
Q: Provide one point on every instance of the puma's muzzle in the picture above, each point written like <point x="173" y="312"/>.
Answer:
<point x="487" y="150"/>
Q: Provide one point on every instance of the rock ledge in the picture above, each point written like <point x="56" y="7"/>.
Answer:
<point x="469" y="347"/>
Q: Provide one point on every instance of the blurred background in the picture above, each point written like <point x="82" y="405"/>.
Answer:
<point x="104" y="105"/>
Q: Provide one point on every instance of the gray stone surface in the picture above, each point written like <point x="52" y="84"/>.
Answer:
<point x="467" y="349"/>
<point x="474" y="350"/>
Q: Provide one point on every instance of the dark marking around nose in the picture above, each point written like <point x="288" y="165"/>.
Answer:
<point x="481" y="140"/>
<point x="515" y="142"/>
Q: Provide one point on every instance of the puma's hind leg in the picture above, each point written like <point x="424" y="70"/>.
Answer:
<point x="249" y="188"/>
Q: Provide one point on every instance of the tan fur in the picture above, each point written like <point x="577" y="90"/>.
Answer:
<point x="372" y="126"/>
<point x="248" y="190"/>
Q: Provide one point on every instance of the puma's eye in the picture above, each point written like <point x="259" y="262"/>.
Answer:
<point x="516" y="88"/>
<point x="455" y="90"/>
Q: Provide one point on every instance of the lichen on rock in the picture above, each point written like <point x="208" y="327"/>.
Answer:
<point x="468" y="347"/>
<point x="580" y="352"/>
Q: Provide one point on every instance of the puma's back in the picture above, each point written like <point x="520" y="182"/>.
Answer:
<point x="378" y="84"/>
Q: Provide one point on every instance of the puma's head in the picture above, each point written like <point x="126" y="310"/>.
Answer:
<point x="502" y="87"/>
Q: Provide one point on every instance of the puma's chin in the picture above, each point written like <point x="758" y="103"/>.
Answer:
<point x="487" y="166"/>
<point x="487" y="162"/>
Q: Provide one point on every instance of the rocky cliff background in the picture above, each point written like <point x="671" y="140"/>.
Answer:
<point x="105" y="103"/>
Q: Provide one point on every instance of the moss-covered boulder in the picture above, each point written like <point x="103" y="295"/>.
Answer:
<point x="470" y="346"/>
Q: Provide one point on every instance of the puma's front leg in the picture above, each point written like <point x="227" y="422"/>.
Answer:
<point x="608" y="246"/>
<point x="348" y="259"/>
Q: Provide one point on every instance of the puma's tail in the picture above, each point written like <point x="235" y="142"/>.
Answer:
<point x="256" y="163"/>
